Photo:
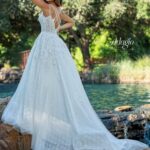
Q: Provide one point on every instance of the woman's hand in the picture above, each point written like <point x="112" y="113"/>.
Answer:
<point x="59" y="28"/>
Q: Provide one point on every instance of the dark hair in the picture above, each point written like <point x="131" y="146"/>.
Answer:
<point x="57" y="2"/>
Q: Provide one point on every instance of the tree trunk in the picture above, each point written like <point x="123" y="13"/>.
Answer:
<point x="84" y="46"/>
<point x="86" y="54"/>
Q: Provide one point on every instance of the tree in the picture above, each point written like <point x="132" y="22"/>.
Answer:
<point x="14" y="28"/>
<point x="116" y="19"/>
<point x="87" y="17"/>
<point x="129" y="19"/>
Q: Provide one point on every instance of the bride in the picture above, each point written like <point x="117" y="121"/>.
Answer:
<point x="50" y="102"/>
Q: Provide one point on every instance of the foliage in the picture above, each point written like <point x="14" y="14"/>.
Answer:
<point x="143" y="9"/>
<point x="106" y="70"/>
<point x="99" y="27"/>
<point x="86" y="14"/>
<point x="102" y="48"/>
<point x="15" y="32"/>
<point x="77" y="56"/>
<point x="114" y="10"/>
<point x="3" y="50"/>
<point x="124" y="70"/>
<point x="121" y="19"/>
<point x="135" y="70"/>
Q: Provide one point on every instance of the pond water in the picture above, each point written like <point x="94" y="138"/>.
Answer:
<point x="109" y="96"/>
<point x="104" y="96"/>
<point x="7" y="89"/>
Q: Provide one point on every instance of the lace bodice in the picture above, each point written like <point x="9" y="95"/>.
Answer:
<point x="47" y="22"/>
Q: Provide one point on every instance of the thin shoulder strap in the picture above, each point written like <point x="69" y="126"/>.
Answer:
<point x="56" y="12"/>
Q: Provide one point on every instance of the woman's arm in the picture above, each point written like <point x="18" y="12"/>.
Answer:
<point x="41" y="4"/>
<point x="69" y="21"/>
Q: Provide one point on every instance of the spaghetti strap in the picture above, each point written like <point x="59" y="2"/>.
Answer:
<point x="56" y="16"/>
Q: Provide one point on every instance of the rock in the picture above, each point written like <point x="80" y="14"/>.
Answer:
<point x="5" y="70"/>
<point x="3" y="103"/>
<point x="135" y="117"/>
<point x="95" y="78"/>
<point x="11" y="139"/>
<point x="126" y="124"/>
<point x="2" y="76"/>
<point x="16" y="68"/>
<point x="106" y="116"/>
<point x="145" y="110"/>
<point x="10" y="75"/>
<point x="85" y="76"/>
<point x="106" y="79"/>
<point x="146" y="106"/>
<point x="124" y="108"/>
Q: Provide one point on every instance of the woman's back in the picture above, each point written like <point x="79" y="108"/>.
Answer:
<point x="54" y="13"/>
<point x="52" y="8"/>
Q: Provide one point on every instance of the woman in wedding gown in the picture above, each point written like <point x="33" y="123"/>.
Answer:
<point x="50" y="101"/>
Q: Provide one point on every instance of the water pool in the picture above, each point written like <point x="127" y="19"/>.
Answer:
<point x="104" y="96"/>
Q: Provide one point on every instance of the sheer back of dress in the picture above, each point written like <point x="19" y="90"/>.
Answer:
<point x="55" y="14"/>
<point x="50" y="22"/>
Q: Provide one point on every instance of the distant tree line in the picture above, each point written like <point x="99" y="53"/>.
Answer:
<point x="100" y="25"/>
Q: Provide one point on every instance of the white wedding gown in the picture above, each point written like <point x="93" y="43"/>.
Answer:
<point x="51" y="104"/>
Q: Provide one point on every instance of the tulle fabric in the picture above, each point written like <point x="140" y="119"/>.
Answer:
<point x="51" y="104"/>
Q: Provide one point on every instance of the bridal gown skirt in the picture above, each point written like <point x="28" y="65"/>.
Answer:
<point x="51" y="104"/>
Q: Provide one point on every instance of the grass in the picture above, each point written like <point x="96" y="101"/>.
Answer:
<point x="135" y="70"/>
<point x="124" y="71"/>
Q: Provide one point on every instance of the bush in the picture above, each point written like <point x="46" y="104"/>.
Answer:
<point x="123" y="71"/>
